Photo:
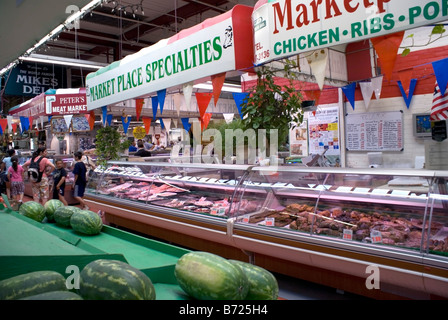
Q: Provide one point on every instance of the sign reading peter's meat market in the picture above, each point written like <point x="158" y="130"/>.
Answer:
<point x="285" y="28"/>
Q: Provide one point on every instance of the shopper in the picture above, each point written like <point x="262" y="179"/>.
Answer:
<point x="90" y="165"/>
<point x="141" y="152"/>
<point x="3" y="178"/>
<point x="59" y="177"/>
<point x="79" y="172"/>
<point x="15" y="176"/>
<point x="41" y="188"/>
<point x="7" y="162"/>
<point x="132" y="147"/>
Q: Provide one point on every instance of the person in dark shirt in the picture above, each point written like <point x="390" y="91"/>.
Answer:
<point x="141" y="152"/>
<point x="132" y="147"/>
<point x="59" y="176"/>
<point x="79" y="171"/>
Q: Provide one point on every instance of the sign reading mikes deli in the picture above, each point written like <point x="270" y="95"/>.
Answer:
<point x="285" y="28"/>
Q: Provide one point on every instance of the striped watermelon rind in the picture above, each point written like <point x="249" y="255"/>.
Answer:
<point x="50" y="207"/>
<point x="30" y="284"/>
<point x="207" y="276"/>
<point x="262" y="284"/>
<point x="32" y="210"/>
<point x="63" y="214"/>
<point x="55" y="295"/>
<point x="104" y="279"/>
<point x="86" y="222"/>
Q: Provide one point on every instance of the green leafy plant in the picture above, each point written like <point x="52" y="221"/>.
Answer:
<point x="436" y="33"/>
<point x="109" y="144"/>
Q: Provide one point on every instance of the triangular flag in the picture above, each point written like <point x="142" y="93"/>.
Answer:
<point x="14" y="127"/>
<point x="349" y="91"/>
<point x="1" y="131"/>
<point x="68" y="120"/>
<point x="3" y="124"/>
<point x="41" y="121"/>
<point x="186" y="124"/>
<point x="138" y="107"/>
<point x="314" y="95"/>
<point x="104" y="110"/>
<point x="125" y="123"/>
<point x="405" y="78"/>
<point x="177" y="100"/>
<point x="109" y="119"/>
<point x="30" y="119"/>
<point x="441" y="71"/>
<point x="228" y="117"/>
<point x="205" y="120"/>
<point x="239" y="98"/>
<point x="408" y="97"/>
<point x="377" y="84"/>
<point x="161" y="94"/>
<point x="25" y="123"/>
<point x="367" y="91"/>
<point x="217" y="82"/>
<point x="187" y="90"/>
<point x="92" y="119"/>
<point x="147" y="123"/>
<point x="162" y="125"/>
<point x="167" y="123"/>
<point x="175" y="122"/>
<point x="9" y="119"/>
<point x="155" y="104"/>
<point x="386" y="48"/>
<point x="318" y="63"/>
<point x="203" y="100"/>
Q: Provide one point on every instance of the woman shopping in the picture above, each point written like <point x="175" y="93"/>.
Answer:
<point x="15" y="176"/>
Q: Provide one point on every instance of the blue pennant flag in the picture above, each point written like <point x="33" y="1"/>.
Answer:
<point x="239" y="98"/>
<point x="155" y="104"/>
<point x="408" y="98"/>
<point x="161" y="94"/>
<point x="125" y="123"/>
<point x="186" y="124"/>
<point x="441" y="71"/>
<point x="25" y="121"/>
<point x="104" y="109"/>
<point x="109" y="119"/>
<point x="349" y="91"/>
<point x="161" y="123"/>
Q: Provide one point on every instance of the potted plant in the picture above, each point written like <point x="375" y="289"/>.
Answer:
<point x="109" y="145"/>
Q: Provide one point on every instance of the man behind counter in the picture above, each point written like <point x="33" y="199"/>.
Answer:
<point x="141" y="152"/>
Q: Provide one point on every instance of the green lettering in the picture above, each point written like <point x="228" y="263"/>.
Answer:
<point x="207" y="49"/>
<point x="160" y="65"/>
<point x="180" y="62"/>
<point x="186" y="59"/>
<point x="148" y="73"/>
<point x="323" y="37"/>
<point x="120" y="82"/>
<point x="92" y="94"/>
<point x="174" y="63"/>
<point x="311" y="40"/>
<point x="277" y="50"/>
<point x="154" y="68"/>
<point x="193" y="50"/>
<point x="167" y="70"/>
<point x="201" y="59"/>
<point x="356" y="29"/>
<point x="302" y="42"/>
<point x="435" y="10"/>
<point x="334" y="35"/>
<point x="218" y="48"/>
<point x="389" y="20"/>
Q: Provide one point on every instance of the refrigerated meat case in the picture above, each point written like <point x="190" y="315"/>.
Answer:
<point x="335" y="226"/>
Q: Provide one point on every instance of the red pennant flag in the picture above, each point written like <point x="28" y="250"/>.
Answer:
<point x="314" y="95"/>
<point x="3" y="124"/>
<point x="138" y="107"/>
<point x="14" y="127"/>
<point x="147" y="123"/>
<point x="30" y="119"/>
<point x="405" y="78"/>
<point x="203" y="99"/>
<point x="386" y="48"/>
<point x="218" y="82"/>
<point x="205" y="120"/>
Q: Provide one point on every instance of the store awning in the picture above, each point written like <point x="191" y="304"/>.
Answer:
<point x="217" y="45"/>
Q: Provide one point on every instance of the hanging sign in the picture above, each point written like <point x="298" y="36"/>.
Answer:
<point x="285" y="28"/>
<point x="220" y="44"/>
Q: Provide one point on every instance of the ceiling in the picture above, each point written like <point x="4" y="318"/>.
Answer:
<point x="108" y="33"/>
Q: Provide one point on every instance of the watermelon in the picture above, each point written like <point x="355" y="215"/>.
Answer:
<point x="86" y="222"/>
<point x="63" y="214"/>
<point x="207" y="276"/>
<point x="114" y="280"/>
<point x="30" y="284"/>
<point x="33" y="210"/>
<point x="262" y="283"/>
<point x="50" y="207"/>
<point x="55" y="295"/>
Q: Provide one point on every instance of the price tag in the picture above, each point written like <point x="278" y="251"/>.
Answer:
<point x="245" y="219"/>
<point x="347" y="234"/>
<point x="269" y="222"/>
<point x="376" y="237"/>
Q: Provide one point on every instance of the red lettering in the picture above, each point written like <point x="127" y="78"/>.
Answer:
<point x="349" y="8"/>
<point x="381" y="5"/>
<point x="282" y="14"/>
<point x="367" y="4"/>
<point x="330" y="4"/>
<point x="314" y="5"/>
<point x="302" y="17"/>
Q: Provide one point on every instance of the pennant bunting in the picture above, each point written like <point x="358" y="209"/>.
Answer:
<point x="175" y="122"/>
<point x="314" y="95"/>
<point x="217" y="82"/>
<point x="1" y="131"/>
<point x="177" y="100"/>
<point x="162" y="124"/>
<point x="138" y="107"/>
<point x="407" y="97"/>
<point x="187" y="90"/>
<point x="367" y="92"/>
<point x="167" y="124"/>
<point x="440" y="69"/>
<point x="377" y="84"/>
<point x="318" y="63"/>
<point x="161" y="94"/>
<point x="9" y="119"/>
<point x="439" y="108"/>
<point x="25" y="123"/>
<point x="405" y="78"/>
<point x="228" y="117"/>
<point x="147" y="123"/>
<point x="104" y="110"/>
<point x="3" y="124"/>
<point x="68" y="120"/>
<point x="109" y="119"/>
<point x="205" y="120"/>
<point x="30" y="121"/>
<point x="349" y="91"/>
<point x="155" y="104"/>
<point x="14" y="127"/>
<point x="203" y="100"/>
<point x="41" y="118"/>
<point x="239" y="99"/>
<point x="186" y="123"/>
<point x="125" y="123"/>
<point x="386" y="48"/>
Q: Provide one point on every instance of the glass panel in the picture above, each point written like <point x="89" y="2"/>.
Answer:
<point x="438" y="225"/>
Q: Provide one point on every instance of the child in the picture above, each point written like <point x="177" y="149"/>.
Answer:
<point x="15" y="176"/>
<point x="59" y="176"/>
<point x="80" y="171"/>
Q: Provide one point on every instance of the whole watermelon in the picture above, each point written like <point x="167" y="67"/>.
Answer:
<point x="114" y="280"/>
<point x="262" y="284"/>
<point x="50" y="207"/>
<point x="86" y="222"/>
<point x="207" y="276"/>
<point x="33" y="210"/>
<point x="54" y="295"/>
<point x="62" y="215"/>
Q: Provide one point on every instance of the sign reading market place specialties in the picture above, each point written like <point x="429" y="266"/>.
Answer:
<point x="285" y="28"/>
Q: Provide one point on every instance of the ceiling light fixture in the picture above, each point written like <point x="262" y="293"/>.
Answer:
<point x="63" y="61"/>
<point x="227" y="87"/>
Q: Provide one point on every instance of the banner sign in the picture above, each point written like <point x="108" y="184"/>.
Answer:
<point x="285" y="28"/>
<point x="196" y="53"/>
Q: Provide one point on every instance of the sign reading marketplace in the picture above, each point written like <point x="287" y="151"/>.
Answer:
<point x="218" y="45"/>
<point x="284" y="28"/>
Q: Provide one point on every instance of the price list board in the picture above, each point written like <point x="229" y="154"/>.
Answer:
<point x="374" y="131"/>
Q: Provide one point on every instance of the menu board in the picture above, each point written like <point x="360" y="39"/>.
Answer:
<point x="374" y="131"/>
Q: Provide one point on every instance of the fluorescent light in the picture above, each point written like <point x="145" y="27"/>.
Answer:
<point x="228" y="87"/>
<point x="63" y="61"/>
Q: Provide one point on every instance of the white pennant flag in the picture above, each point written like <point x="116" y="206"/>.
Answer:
<point x="41" y="118"/>
<point x="377" y="84"/>
<point x="9" y="118"/>
<point x="228" y="117"/>
<point x="177" y="100"/>
<point x="175" y="122"/>
<point x="367" y="91"/>
<point x="68" y="120"/>
<point x="167" y="124"/>
<point x="318" y="63"/>
<point x="188" y="91"/>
